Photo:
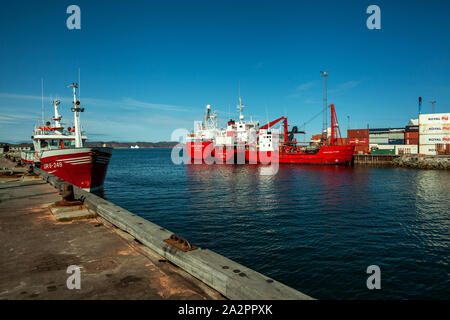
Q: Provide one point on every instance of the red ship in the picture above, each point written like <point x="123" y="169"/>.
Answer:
<point x="275" y="146"/>
<point x="245" y="142"/>
<point x="225" y="145"/>
<point x="60" y="151"/>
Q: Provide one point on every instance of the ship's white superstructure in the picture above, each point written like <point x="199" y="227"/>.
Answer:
<point x="236" y="135"/>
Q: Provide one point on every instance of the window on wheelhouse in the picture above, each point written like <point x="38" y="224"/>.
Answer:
<point x="69" y="143"/>
<point x="43" y="144"/>
<point x="54" y="144"/>
<point x="49" y="144"/>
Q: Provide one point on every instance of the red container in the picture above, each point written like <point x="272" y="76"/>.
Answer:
<point x="358" y="133"/>
<point x="339" y="141"/>
<point x="412" y="141"/>
<point x="359" y="141"/>
<point x="316" y="137"/>
<point x="411" y="135"/>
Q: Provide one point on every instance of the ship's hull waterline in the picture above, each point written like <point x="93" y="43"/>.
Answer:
<point x="342" y="155"/>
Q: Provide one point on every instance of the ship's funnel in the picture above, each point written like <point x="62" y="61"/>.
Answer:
<point x="208" y="110"/>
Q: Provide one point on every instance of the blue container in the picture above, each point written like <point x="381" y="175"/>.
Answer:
<point x="396" y="141"/>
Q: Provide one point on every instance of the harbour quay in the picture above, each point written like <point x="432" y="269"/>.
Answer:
<point x="51" y="230"/>
<point x="438" y="162"/>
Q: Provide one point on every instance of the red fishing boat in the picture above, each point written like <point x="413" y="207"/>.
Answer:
<point x="60" y="151"/>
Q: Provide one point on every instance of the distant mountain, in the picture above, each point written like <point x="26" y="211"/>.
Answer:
<point x="126" y="145"/>
<point x="111" y="144"/>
